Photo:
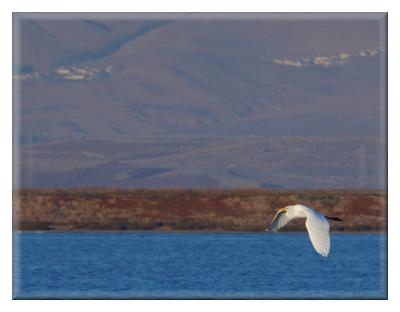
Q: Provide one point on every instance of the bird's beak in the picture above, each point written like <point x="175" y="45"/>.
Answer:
<point x="281" y="209"/>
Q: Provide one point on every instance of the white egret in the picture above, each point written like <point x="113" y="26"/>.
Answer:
<point x="316" y="223"/>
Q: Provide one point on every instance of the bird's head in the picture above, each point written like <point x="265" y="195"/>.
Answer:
<point x="284" y="209"/>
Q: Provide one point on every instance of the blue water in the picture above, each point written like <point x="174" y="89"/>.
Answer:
<point x="197" y="265"/>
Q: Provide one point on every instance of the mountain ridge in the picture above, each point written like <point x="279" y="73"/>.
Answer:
<point x="86" y="80"/>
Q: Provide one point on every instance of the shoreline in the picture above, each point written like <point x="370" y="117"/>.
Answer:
<point x="180" y="210"/>
<point x="192" y="231"/>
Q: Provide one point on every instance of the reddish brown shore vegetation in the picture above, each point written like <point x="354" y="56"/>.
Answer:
<point x="211" y="210"/>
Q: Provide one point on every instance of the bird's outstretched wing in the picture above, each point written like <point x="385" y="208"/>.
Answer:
<point x="279" y="221"/>
<point x="318" y="230"/>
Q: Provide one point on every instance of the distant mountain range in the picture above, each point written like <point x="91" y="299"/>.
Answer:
<point x="200" y="102"/>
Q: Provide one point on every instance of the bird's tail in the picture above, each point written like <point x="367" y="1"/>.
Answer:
<point x="333" y="218"/>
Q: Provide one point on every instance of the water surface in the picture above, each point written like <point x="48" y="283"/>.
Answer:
<point x="197" y="265"/>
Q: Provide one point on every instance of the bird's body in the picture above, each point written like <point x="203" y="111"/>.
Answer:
<point x="316" y="223"/>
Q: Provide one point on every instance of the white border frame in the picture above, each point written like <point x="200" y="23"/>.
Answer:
<point x="199" y="6"/>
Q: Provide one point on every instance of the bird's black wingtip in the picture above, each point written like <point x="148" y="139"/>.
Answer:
<point x="333" y="218"/>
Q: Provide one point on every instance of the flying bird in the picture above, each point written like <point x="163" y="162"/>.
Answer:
<point x="316" y="223"/>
